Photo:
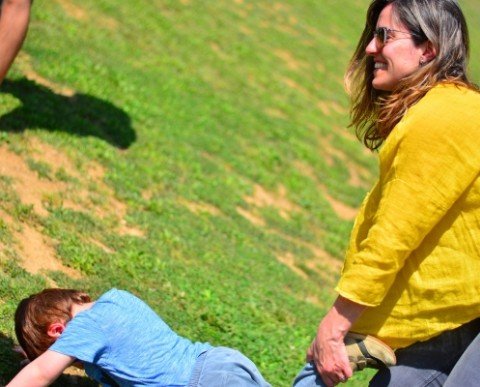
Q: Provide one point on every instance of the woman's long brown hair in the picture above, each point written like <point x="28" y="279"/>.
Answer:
<point x="441" y="23"/>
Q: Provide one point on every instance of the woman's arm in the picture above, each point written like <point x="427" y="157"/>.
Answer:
<point x="328" y="351"/>
<point x="14" y="20"/>
<point x="42" y="371"/>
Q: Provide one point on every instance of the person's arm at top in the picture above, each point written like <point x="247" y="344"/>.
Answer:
<point x="328" y="350"/>
<point x="42" y="371"/>
<point x="14" y="18"/>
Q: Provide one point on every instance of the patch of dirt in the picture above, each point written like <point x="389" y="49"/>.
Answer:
<point x="78" y="13"/>
<point x="290" y="61"/>
<point x="242" y="13"/>
<point x="327" y="107"/>
<point x="262" y="198"/>
<point x="38" y="253"/>
<point x="278" y="7"/>
<point x="322" y="266"/>
<point x="306" y="170"/>
<point x="255" y="219"/>
<point x="73" y="10"/>
<point x="312" y="299"/>
<point x="52" y="156"/>
<point x="108" y="22"/>
<point x="30" y="188"/>
<point x="125" y="229"/>
<point x="244" y="9"/>
<point x="287" y="29"/>
<point x="288" y="259"/>
<point x="112" y="206"/>
<point x="358" y="174"/>
<point x="246" y="31"/>
<point x="320" y="256"/>
<point x="342" y="210"/>
<point x="37" y="250"/>
<point x="24" y="62"/>
<point x="218" y="161"/>
<point x="320" y="68"/>
<point x="106" y="249"/>
<point x="294" y="85"/>
<point x="199" y="208"/>
<point x="275" y="113"/>
<point x="217" y="49"/>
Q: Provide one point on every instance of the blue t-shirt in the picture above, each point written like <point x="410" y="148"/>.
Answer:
<point x="121" y="338"/>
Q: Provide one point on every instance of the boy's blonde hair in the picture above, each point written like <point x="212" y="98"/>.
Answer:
<point x="36" y="313"/>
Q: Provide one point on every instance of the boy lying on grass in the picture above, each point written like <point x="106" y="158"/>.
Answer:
<point x="120" y="341"/>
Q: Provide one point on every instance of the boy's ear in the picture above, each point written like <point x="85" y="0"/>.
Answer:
<point x="55" y="329"/>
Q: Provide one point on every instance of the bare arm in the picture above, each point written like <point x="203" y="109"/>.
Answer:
<point x="42" y="371"/>
<point x="14" y="18"/>
<point x="328" y="351"/>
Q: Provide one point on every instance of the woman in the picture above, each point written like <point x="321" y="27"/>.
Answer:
<point x="410" y="276"/>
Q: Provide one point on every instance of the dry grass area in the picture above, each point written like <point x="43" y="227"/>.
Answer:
<point x="36" y="250"/>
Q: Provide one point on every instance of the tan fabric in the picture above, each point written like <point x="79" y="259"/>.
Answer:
<point x="414" y="254"/>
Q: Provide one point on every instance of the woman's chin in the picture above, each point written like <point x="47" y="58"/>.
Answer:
<point x="381" y="86"/>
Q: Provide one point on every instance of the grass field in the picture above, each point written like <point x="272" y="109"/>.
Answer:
<point x="195" y="153"/>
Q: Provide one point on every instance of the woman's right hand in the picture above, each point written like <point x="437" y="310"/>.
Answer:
<point x="329" y="354"/>
<point x="328" y="351"/>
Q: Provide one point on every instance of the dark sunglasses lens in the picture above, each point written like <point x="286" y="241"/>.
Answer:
<point x="381" y="34"/>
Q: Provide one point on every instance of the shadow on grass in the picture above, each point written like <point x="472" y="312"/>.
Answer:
<point x="79" y="114"/>
<point x="10" y="365"/>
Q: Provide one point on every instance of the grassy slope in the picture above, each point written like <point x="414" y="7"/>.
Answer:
<point x="190" y="107"/>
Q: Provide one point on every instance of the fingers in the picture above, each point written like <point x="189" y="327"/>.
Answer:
<point x="333" y="381"/>
<point x="334" y="373"/>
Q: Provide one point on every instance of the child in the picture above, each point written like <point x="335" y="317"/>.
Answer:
<point x="120" y="341"/>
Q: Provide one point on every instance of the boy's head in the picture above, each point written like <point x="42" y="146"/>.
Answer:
<point x="36" y="314"/>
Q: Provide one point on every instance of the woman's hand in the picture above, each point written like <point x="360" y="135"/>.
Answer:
<point x="329" y="355"/>
<point x="328" y="351"/>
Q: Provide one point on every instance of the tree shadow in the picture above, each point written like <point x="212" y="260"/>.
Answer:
<point x="10" y="365"/>
<point x="79" y="114"/>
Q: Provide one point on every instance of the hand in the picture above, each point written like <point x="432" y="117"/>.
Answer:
<point x="329" y="355"/>
<point x="328" y="351"/>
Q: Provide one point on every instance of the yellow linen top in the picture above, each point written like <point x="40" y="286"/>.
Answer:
<point x="414" y="253"/>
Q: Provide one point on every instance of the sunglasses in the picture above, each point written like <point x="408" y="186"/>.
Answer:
<point x="382" y="34"/>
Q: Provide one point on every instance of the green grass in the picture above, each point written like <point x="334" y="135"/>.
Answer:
<point x="171" y="115"/>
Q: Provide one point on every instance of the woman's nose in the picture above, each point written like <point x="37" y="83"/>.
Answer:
<point x="372" y="47"/>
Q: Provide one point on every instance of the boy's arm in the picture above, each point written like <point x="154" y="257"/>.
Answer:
<point x="42" y="371"/>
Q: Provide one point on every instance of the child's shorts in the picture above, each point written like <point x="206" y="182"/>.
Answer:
<point x="225" y="367"/>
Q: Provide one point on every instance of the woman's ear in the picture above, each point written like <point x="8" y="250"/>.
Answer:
<point x="55" y="329"/>
<point x="429" y="53"/>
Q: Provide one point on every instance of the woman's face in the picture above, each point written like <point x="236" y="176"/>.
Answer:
<point x="398" y="58"/>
